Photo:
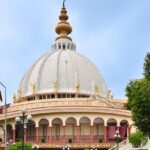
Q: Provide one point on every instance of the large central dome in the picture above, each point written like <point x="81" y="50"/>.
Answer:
<point x="66" y="69"/>
<point x="62" y="70"/>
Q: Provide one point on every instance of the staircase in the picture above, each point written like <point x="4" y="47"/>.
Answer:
<point x="125" y="145"/>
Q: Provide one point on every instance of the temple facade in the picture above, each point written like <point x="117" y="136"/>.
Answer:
<point x="68" y="99"/>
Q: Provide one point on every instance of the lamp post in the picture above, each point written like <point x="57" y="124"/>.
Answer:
<point x="22" y="123"/>
<point x="66" y="147"/>
<point x="5" y="116"/>
<point x="117" y="138"/>
<point x="35" y="147"/>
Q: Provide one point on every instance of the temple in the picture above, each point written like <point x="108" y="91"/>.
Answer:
<point x="68" y="99"/>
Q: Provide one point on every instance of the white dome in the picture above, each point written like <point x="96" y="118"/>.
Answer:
<point x="66" y="67"/>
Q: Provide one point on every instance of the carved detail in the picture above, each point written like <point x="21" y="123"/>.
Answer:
<point x="55" y="86"/>
<point x="96" y="90"/>
<point x="77" y="87"/>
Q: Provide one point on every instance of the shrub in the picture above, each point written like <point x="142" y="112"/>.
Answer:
<point x="17" y="146"/>
<point x="137" y="139"/>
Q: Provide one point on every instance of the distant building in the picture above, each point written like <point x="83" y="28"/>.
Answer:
<point x="68" y="99"/>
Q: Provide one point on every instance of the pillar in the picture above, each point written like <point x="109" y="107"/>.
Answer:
<point x="37" y="134"/>
<point x="78" y="133"/>
<point x="91" y="133"/>
<point x="129" y="130"/>
<point x="117" y="128"/>
<point x="14" y="135"/>
<point x="50" y="133"/>
<point x="105" y="133"/>
<point x="64" y="133"/>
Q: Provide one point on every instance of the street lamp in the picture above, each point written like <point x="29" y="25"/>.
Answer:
<point x="66" y="147"/>
<point x="21" y="122"/>
<point x="5" y="116"/>
<point x="117" y="138"/>
<point x="35" y="147"/>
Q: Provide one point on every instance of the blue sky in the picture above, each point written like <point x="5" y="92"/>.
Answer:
<point x="114" y="34"/>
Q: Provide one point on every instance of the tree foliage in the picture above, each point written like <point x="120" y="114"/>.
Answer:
<point x="137" y="139"/>
<point x="138" y="93"/>
<point x="147" y="66"/>
<point x="17" y="146"/>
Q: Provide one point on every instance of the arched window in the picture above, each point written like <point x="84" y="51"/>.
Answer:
<point x="59" y="46"/>
<point x="64" y="46"/>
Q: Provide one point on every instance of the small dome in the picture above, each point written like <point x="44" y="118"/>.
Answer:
<point x="66" y="68"/>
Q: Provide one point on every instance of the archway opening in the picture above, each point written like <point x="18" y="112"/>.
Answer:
<point x="57" y="130"/>
<point x="84" y="129"/>
<point x="123" y="129"/>
<point x="111" y="128"/>
<point x="98" y="125"/>
<point x="43" y="130"/>
<point x="9" y="132"/>
<point x="71" y="131"/>
<point x="31" y="132"/>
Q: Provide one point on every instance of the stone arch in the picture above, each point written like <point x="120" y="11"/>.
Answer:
<point x="98" y="129"/>
<point x="98" y="120"/>
<point x="123" y="129"/>
<point x="71" y="128"/>
<point x="31" y="131"/>
<point x="71" y="120"/>
<point x="9" y="132"/>
<point x="43" y="129"/>
<point x="85" y="120"/>
<point x="111" y="128"/>
<point x="85" y="123"/>
<point x="112" y="122"/>
<point x="124" y="122"/>
<point x="57" y="130"/>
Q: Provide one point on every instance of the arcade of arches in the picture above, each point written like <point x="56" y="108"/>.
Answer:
<point x="70" y="131"/>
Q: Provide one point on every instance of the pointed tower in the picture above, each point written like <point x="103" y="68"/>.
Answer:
<point x="63" y="28"/>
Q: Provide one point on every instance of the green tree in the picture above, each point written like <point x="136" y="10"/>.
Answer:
<point x="147" y="66"/>
<point x="138" y="93"/>
<point x="137" y="139"/>
<point x="17" y="146"/>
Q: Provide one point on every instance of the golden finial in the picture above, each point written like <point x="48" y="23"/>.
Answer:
<point x="63" y="28"/>
<point x="14" y="98"/>
<point x="33" y="87"/>
<point x="19" y="92"/>
<point x="96" y="90"/>
<point x="55" y="86"/>
<point x="77" y="87"/>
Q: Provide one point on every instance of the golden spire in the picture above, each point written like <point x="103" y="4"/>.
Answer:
<point x="63" y="28"/>
<point x="14" y="98"/>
